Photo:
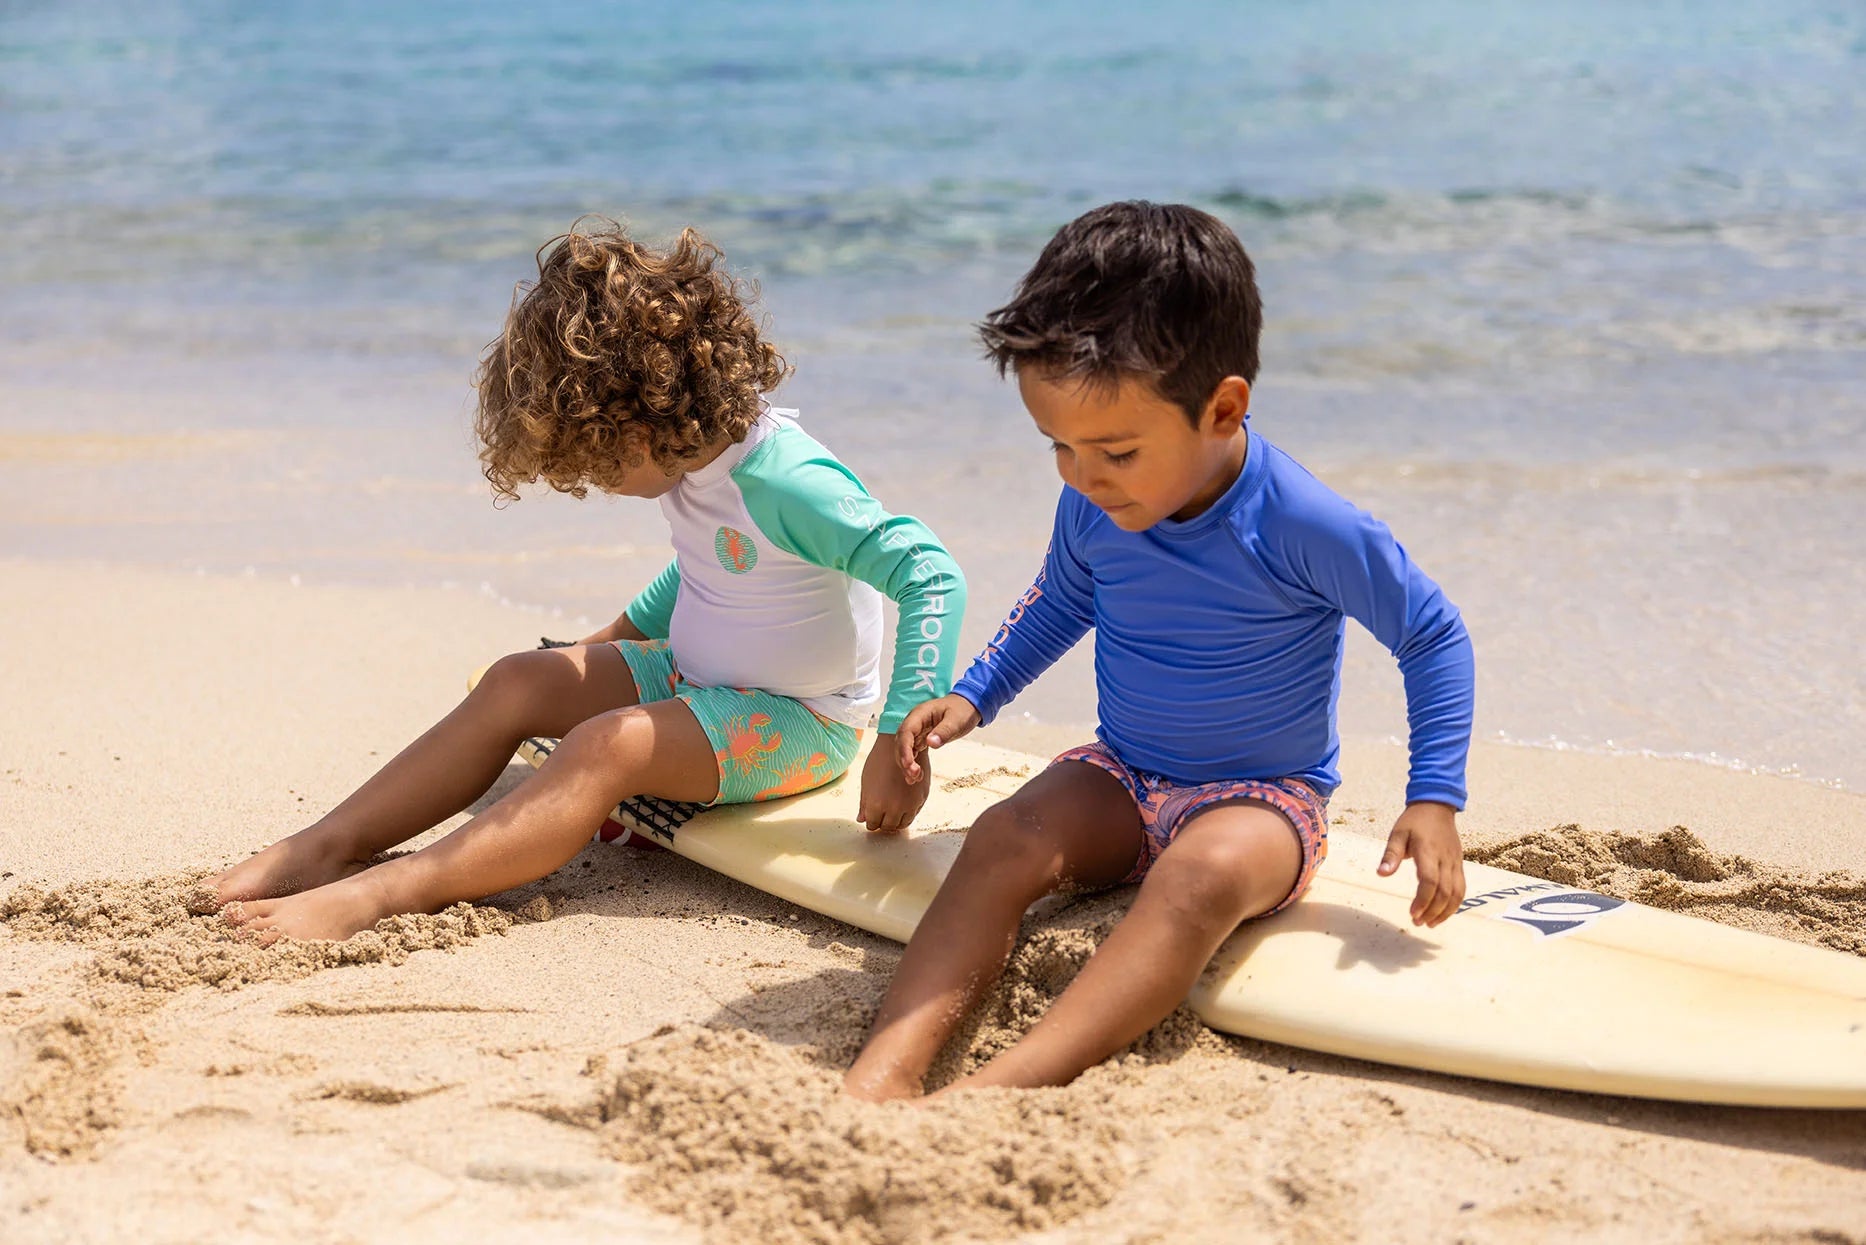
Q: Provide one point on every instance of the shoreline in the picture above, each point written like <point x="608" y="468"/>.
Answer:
<point x="1041" y="733"/>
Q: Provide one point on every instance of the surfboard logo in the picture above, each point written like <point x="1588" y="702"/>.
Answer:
<point x="1551" y="909"/>
<point x="1564" y="913"/>
<point x="735" y="550"/>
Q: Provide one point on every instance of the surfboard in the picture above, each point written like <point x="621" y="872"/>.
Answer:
<point x="1531" y="982"/>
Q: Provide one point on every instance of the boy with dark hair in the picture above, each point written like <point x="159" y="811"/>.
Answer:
<point x="1217" y="574"/>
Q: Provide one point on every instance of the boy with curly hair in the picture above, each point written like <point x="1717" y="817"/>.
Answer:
<point x="748" y="669"/>
<point x="1217" y="574"/>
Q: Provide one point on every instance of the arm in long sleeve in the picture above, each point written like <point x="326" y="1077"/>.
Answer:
<point x="1045" y="623"/>
<point x="821" y="513"/>
<point x="1353" y="561"/>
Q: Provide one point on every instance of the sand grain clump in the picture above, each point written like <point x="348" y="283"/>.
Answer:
<point x="56" y="1088"/>
<point x="754" y="1141"/>
<point x="150" y="934"/>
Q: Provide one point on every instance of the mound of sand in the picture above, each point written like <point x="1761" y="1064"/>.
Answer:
<point x="1677" y="871"/>
<point x="151" y="933"/>
<point x="767" y="1148"/>
<point x="752" y="1141"/>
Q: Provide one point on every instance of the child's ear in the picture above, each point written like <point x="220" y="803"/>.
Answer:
<point x="1229" y="406"/>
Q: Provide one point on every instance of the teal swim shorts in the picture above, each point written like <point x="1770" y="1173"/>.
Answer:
<point x="767" y="745"/>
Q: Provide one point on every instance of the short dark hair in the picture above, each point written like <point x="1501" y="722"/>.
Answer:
<point x="1135" y="289"/>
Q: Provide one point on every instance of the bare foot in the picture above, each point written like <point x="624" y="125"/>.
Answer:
<point x="333" y="912"/>
<point x="302" y="862"/>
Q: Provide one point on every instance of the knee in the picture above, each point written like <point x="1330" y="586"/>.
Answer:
<point x="512" y="678"/>
<point x="1009" y="847"/>
<point x="519" y="681"/>
<point x="1207" y="883"/>
<point x="608" y="739"/>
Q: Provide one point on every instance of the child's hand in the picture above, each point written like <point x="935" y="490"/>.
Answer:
<point x="889" y="801"/>
<point x="930" y="724"/>
<point x="1428" y="832"/>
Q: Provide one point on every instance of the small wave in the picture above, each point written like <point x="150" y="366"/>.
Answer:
<point x="921" y="226"/>
<point x="1273" y="207"/>
<point x="893" y="71"/>
<point x="1713" y="759"/>
<point x="1367" y="285"/>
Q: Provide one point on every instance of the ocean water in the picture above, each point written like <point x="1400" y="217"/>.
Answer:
<point x="1572" y="294"/>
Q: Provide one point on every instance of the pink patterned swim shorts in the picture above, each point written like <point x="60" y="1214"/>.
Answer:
<point x="1166" y="806"/>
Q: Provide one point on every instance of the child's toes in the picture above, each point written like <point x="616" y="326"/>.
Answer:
<point x="250" y="914"/>
<point x="259" y="922"/>
<point x="203" y="899"/>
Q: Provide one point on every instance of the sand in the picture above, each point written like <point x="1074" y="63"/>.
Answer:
<point x="635" y="1049"/>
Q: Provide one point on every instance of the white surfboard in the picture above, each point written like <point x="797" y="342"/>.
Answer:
<point x="1531" y="982"/>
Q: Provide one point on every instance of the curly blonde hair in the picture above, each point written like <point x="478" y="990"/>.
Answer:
<point x="615" y="354"/>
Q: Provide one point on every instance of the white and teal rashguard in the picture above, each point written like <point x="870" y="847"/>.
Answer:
<point x="781" y="559"/>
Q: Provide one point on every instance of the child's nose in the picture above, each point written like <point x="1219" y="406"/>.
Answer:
<point x="1089" y="479"/>
<point x="1079" y="473"/>
<point x="1071" y="472"/>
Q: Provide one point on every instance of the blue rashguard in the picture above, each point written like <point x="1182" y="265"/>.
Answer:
<point x="1219" y="640"/>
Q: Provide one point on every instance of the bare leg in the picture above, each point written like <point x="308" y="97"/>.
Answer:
<point x="1229" y="863"/>
<point x="546" y="692"/>
<point x="1072" y="825"/>
<point x="657" y="749"/>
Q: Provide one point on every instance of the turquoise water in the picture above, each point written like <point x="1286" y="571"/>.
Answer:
<point x="1573" y="293"/>
<point x="1433" y="189"/>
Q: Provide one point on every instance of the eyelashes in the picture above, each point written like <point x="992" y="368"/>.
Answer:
<point x="1118" y="460"/>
